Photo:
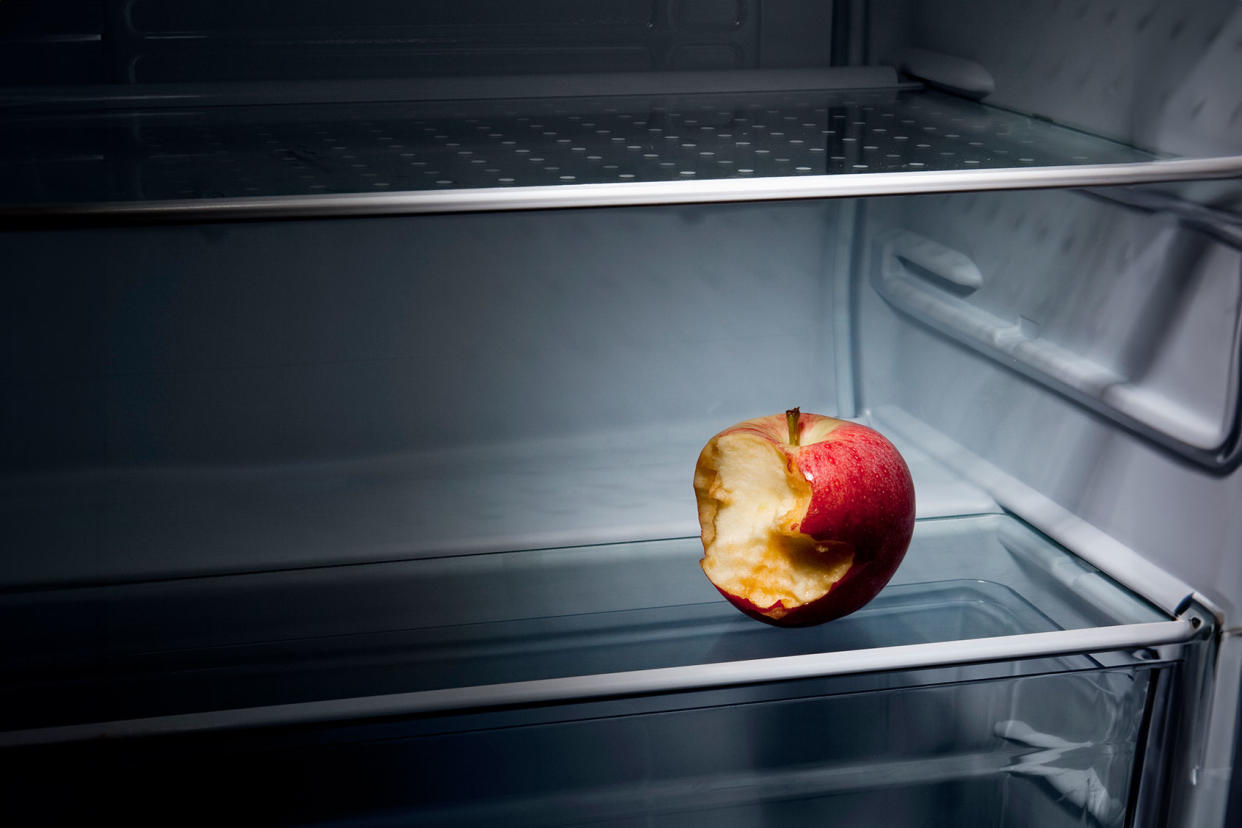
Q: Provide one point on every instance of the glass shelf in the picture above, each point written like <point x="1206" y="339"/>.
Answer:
<point x="206" y="672"/>
<point x="321" y="159"/>
<point x="527" y="619"/>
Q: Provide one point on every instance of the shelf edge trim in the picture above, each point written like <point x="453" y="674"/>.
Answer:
<point x="627" y="194"/>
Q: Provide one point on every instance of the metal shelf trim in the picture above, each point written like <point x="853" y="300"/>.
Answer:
<point x="630" y="683"/>
<point x="621" y="194"/>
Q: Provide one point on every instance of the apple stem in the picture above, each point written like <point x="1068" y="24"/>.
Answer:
<point x="791" y="418"/>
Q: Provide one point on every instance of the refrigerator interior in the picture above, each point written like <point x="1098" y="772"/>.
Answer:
<point x="355" y="369"/>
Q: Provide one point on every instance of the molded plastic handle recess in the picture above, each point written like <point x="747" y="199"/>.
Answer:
<point x="929" y="282"/>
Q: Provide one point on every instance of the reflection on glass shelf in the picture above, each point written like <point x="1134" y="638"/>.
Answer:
<point x="278" y="672"/>
<point x="161" y="648"/>
<point x="250" y="151"/>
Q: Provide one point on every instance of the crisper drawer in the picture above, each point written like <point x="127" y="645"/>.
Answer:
<point x="998" y="680"/>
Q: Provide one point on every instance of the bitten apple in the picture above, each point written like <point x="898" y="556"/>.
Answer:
<point x="804" y="517"/>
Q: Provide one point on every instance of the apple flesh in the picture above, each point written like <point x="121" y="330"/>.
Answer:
<point x="804" y="517"/>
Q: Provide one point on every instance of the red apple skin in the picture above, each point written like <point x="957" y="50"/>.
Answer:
<point x="862" y="496"/>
